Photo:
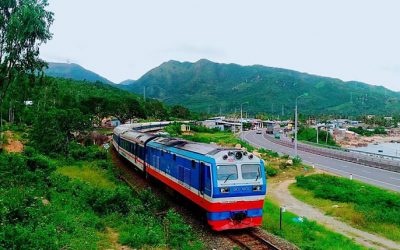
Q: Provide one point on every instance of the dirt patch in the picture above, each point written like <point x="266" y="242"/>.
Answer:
<point x="13" y="145"/>
<point x="113" y="237"/>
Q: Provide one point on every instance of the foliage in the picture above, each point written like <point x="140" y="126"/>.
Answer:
<point x="297" y="161"/>
<point x="179" y="111"/>
<point x="376" y="206"/>
<point x="366" y="132"/>
<point x="43" y="209"/>
<point x="310" y="134"/>
<point x="53" y="130"/>
<point x="270" y="171"/>
<point x="79" y="152"/>
<point x="24" y="26"/>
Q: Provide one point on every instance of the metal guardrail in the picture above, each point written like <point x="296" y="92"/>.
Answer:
<point x="355" y="156"/>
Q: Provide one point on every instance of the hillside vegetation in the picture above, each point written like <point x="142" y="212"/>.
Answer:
<point x="207" y="86"/>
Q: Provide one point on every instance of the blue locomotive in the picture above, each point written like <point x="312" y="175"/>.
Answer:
<point x="229" y="184"/>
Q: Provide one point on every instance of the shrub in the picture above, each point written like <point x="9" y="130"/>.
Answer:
<point x="79" y="152"/>
<point x="297" y="161"/>
<point x="178" y="232"/>
<point x="271" y="171"/>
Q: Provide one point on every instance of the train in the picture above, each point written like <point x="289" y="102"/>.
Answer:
<point x="229" y="184"/>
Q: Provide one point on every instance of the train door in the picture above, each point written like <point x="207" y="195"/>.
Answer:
<point x="205" y="179"/>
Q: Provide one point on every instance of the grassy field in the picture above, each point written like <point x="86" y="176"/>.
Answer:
<point x="361" y="205"/>
<point x="90" y="174"/>
<point x="306" y="234"/>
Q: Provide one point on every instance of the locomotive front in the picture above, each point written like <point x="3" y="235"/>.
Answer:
<point x="238" y="192"/>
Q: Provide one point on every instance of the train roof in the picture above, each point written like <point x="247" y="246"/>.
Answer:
<point x="196" y="147"/>
<point x="138" y="137"/>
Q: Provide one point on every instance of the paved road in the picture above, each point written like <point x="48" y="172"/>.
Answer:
<point x="375" y="176"/>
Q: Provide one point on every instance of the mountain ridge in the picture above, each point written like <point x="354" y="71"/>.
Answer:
<point x="205" y="83"/>
<point x="207" y="86"/>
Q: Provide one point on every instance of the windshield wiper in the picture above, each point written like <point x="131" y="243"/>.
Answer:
<point x="229" y="175"/>
<point x="258" y="174"/>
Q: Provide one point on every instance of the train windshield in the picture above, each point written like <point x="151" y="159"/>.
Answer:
<point x="251" y="171"/>
<point x="227" y="172"/>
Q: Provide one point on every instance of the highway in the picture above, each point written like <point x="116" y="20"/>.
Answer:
<point x="378" y="177"/>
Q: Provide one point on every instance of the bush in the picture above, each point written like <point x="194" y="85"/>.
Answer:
<point x="79" y="152"/>
<point x="178" y="232"/>
<point x="271" y="171"/>
<point x="297" y="160"/>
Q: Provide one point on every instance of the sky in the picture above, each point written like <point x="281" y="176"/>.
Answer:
<point x="123" y="39"/>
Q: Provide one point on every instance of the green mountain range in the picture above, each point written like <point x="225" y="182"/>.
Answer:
<point x="75" y="72"/>
<point x="206" y="86"/>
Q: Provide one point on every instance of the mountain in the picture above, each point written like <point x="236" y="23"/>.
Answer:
<point x="75" y="72"/>
<point x="207" y="86"/>
<point x="127" y="82"/>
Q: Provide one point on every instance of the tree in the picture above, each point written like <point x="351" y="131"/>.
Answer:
<point x="53" y="130"/>
<point x="179" y="111"/>
<point x="24" y="26"/>
<point x="156" y="109"/>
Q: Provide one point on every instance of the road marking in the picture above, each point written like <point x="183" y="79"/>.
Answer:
<point x="397" y="179"/>
<point x="368" y="172"/>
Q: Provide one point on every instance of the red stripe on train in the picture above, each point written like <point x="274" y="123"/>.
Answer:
<point x="209" y="206"/>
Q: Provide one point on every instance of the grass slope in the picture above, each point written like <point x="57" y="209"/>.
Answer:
<point x="361" y="205"/>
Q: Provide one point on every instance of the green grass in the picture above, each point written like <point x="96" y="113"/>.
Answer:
<point x="306" y="234"/>
<point x="361" y="205"/>
<point x="93" y="176"/>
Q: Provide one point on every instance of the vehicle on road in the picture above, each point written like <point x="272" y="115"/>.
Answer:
<point x="259" y="131"/>
<point x="228" y="184"/>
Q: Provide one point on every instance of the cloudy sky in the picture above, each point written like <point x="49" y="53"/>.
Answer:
<point x="123" y="39"/>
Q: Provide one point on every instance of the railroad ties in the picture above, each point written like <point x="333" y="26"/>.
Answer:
<point x="248" y="239"/>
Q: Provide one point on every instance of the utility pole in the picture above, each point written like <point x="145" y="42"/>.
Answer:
<point x="144" y="93"/>
<point x="316" y="123"/>
<point x="241" y="118"/>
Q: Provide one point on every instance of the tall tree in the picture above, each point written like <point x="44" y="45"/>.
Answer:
<point x="24" y="26"/>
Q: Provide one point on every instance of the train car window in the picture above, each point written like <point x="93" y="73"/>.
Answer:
<point x="162" y="152"/>
<point x="250" y="171"/>
<point x="193" y="164"/>
<point x="174" y="157"/>
<point x="227" y="172"/>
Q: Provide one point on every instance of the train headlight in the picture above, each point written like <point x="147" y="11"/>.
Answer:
<point x="251" y="157"/>
<point x="225" y="157"/>
<point x="224" y="190"/>
<point x="257" y="188"/>
<point x="238" y="155"/>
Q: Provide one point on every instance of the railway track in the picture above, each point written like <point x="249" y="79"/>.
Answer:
<point x="249" y="239"/>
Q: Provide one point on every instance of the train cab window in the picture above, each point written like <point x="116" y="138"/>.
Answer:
<point x="174" y="157"/>
<point x="193" y="164"/>
<point x="227" y="172"/>
<point x="251" y="171"/>
<point x="162" y="152"/>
